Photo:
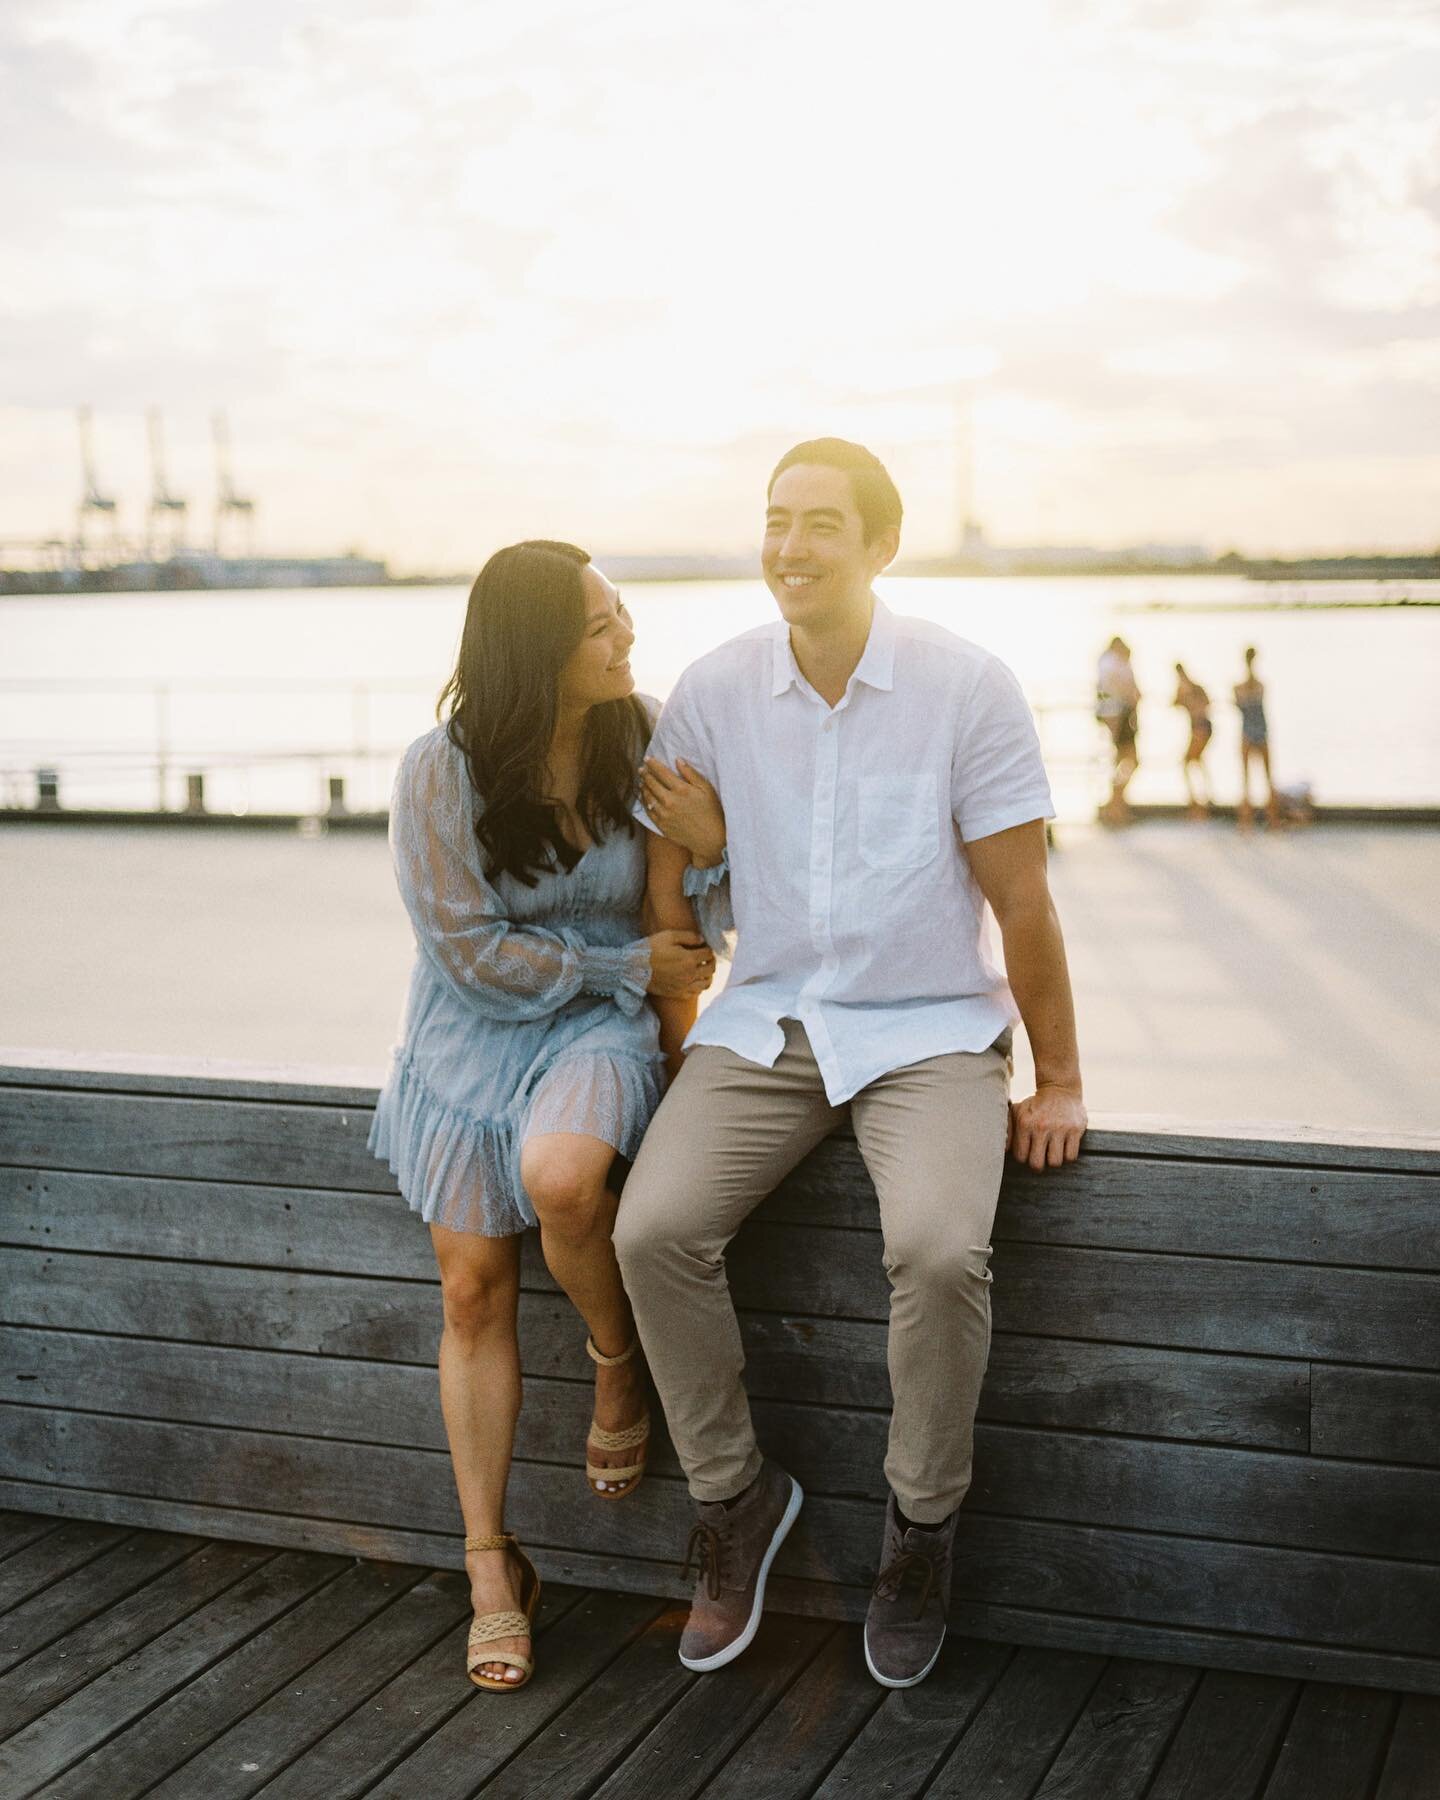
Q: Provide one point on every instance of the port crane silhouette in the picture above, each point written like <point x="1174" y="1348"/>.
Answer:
<point x="92" y="501"/>
<point x="228" y="504"/>
<point x="167" y="509"/>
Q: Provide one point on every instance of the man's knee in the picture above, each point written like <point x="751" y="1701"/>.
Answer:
<point x="937" y="1262"/>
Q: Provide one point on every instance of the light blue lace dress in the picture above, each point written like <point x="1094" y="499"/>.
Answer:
<point x="526" y="1012"/>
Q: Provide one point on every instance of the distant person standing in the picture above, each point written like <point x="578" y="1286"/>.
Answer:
<point x="1117" y="707"/>
<point x="1196" y="702"/>
<point x="1254" y="744"/>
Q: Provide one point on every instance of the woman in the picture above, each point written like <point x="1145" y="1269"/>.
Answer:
<point x="1117" y="707"/>
<point x="1192" y="697"/>
<point x="1254" y="744"/>
<point x="530" y="1059"/>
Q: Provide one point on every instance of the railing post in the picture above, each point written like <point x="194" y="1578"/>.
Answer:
<point x="162" y="746"/>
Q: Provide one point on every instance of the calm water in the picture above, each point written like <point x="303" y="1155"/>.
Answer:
<point x="269" y="693"/>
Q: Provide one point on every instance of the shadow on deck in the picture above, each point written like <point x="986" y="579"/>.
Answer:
<point x="152" y="1663"/>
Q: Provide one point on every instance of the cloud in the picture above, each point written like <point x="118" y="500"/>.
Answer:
<point x="448" y="263"/>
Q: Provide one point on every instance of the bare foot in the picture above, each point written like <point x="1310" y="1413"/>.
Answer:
<point x="620" y="1400"/>
<point x="495" y="1587"/>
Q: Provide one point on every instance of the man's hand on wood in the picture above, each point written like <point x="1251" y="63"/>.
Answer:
<point x="1046" y="1129"/>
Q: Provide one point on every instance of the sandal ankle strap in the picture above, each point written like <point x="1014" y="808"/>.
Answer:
<point x="611" y="1362"/>
<point x="500" y="1540"/>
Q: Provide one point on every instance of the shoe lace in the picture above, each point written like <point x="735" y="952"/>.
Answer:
<point x="891" y="1578"/>
<point x="704" y="1550"/>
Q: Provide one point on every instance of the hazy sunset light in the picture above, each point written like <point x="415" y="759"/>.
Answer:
<point x="459" y="271"/>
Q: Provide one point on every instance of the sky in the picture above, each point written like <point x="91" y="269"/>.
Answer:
<point x="1102" y="271"/>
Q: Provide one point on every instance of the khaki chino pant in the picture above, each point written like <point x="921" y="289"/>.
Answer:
<point x="933" y="1139"/>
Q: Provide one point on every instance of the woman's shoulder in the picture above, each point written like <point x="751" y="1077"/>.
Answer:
<point x="433" y="769"/>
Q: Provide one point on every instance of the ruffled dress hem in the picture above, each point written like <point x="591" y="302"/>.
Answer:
<point x="463" y="1173"/>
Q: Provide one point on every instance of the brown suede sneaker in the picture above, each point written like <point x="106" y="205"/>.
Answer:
<point x="905" y="1623"/>
<point x="734" y="1547"/>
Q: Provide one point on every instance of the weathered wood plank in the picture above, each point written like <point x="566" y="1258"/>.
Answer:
<point x="1268" y="1309"/>
<point x="187" y="1077"/>
<point x="1248" y="1496"/>
<point x="909" y="1733"/>
<point x="48" y="1678"/>
<point x="1351" y="1218"/>
<point x="1226" y="1742"/>
<point x="1334" y="1745"/>
<point x="809" y="1729"/>
<point x="220" y="1139"/>
<point x="134" y="1560"/>
<point x="259" y="1746"/>
<point x="455" y="1759"/>
<point x="1214" y="1645"/>
<point x="1383" y="1414"/>
<point x="1114" y="1746"/>
<point x="1189" y="1583"/>
<point x="157" y="1742"/>
<point x="1110" y="1134"/>
<point x="245" y="1222"/>
<point x="1413" y="1759"/>
<point x="19" y="1529"/>
<point x="575" y="1748"/>
<point x="416" y="1703"/>
<point x="1257" y="1402"/>
<point x="831" y="1449"/>
<point x="680" y="1752"/>
<point x="1010" y="1745"/>
<point x="1224" y="1586"/>
<point x="1223" y="1208"/>
<point x="53" y="1556"/>
<point x="52" y="1743"/>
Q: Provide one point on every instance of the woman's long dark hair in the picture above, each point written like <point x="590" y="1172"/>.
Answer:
<point x="525" y="617"/>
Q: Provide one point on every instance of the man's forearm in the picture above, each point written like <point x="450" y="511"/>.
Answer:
<point x="1040" y="981"/>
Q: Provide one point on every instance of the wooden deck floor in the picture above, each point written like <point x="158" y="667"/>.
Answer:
<point x="143" y="1662"/>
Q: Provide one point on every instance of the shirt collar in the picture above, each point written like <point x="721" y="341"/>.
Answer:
<point x="876" y="667"/>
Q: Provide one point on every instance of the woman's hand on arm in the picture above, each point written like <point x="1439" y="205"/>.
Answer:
<point x="682" y="964"/>
<point x="687" y="809"/>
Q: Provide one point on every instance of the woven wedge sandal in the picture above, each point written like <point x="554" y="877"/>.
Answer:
<point x="629" y="1437"/>
<point x="489" y="1627"/>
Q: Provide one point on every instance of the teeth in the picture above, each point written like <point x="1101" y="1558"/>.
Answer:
<point x="795" y="581"/>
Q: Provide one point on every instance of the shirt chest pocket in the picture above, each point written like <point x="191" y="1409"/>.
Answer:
<point x="899" y="821"/>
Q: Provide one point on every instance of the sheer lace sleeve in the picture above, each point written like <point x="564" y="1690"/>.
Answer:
<point x="708" y="891"/>
<point x="508" y="971"/>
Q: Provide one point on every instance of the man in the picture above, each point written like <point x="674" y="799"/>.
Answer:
<point x="881" y="780"/>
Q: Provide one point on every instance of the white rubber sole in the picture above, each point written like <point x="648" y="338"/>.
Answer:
<point x="910" y="1680"/>
<point x="701" y="1664"/>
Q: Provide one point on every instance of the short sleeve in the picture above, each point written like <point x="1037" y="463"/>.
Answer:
<point x="997" y="776"/>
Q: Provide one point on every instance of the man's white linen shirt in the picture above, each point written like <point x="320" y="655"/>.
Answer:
<point x="855" y="907"/>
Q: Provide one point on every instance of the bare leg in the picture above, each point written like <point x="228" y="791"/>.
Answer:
<point x="565" y="1175"/>
<point x="480" y="1399"/>
<point x="1187" y="770"/>
<point x="1207" y="791"/>
<point x="1272" y="805"/>
<point x="1245" y="817"/>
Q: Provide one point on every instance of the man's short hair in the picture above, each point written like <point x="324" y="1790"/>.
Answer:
<point x="877" y="499"/>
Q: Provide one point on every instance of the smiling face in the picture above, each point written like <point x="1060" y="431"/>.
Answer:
<point x="817" y="563"/>
<point x="598" y="669"/>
